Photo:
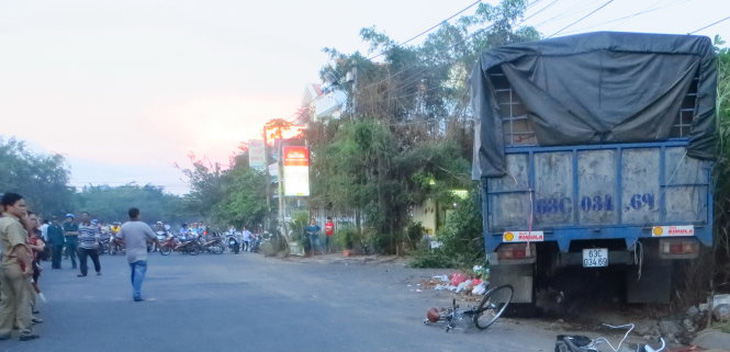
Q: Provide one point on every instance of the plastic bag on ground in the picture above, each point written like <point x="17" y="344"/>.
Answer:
<point x="457" y="278"/>
<point x="479" y="289"/>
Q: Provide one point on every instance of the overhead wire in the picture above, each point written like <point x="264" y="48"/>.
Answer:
<point x="582" y="18"/>
<point x="656" y="7"/>
<point x="417" y="74"/>
<point x="429" y="29"/>
<point x="463" y="40"/>
<point x="710" y="25"/>
<point x="293" y="116"/>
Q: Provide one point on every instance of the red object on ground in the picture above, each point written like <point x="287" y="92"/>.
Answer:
<point x="457" y="278"/>
<point x="433" y="315"/>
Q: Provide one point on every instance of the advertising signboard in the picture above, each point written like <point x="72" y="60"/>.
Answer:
<point x="296" y="171"/>
<point x="257" y="154"/>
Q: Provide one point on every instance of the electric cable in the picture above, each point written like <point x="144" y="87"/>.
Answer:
<point x="710" y="25"/>
<point x="582" y="18"/>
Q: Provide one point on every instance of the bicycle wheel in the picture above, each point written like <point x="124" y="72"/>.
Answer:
<point x="493" y="304"/>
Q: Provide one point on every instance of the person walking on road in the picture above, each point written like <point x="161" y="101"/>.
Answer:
<point x="88" y="245"/>
<point x="55" y="237"/>
<point x="71" y="231"/>
<point x="17" y="268"/>
<point x="135" y="235"/>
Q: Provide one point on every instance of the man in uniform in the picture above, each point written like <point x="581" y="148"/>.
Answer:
<point x="17" y="268"/>
<point x="55" y="237"/>
<point x="71" y="230"/>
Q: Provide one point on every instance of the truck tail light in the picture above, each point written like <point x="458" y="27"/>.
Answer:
<point x="679" y="248"/>
<point x="516" y="251"/>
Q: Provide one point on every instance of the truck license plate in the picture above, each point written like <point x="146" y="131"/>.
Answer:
<point x="595" y="257"/>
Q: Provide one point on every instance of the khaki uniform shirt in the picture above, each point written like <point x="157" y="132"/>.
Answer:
<point x="12" y="234"/>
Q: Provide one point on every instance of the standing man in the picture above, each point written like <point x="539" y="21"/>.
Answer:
<point x="71" y="230"/>
<point x="329" y="230"/>
<point x="88" y="245"/>
<point x="135" y="235"/>
<point x="313" y="233"/>
<point x="17" y="268"/>
<point x="55" y="237"/>
<point x="246" y="239"/>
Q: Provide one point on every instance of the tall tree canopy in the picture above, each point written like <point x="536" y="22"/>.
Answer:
<point x="41" y="179"/>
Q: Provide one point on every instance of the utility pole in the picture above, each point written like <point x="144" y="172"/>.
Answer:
<point x="268" y="184"/>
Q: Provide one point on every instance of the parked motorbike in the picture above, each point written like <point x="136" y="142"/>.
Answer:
<point x="255" y="243"/>
<point x="116" y="246"/>
<point x="234" y="243"/>
<point x="214" y="245"/>
<point x="173" y="244"/>
<point x="104" y="244"/>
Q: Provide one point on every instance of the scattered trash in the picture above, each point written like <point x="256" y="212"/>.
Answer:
<point x="457" y="278"/>
<point x="721" y="312"/>
<point x="479" y="289"/>
<point x="464" y="286"/>
<point x="443" y="278"/>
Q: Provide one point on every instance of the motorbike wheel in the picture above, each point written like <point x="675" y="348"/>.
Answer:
<point x="194" y="250"/>
<point x="216" y="249"/>
<point x="165" y="250"/>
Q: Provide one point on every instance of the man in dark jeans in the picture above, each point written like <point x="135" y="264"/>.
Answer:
<point x="71" y="232"/>
<point x="88" y="245"/>
<point x="312" y="232"/>
<point x="55" y="236"/>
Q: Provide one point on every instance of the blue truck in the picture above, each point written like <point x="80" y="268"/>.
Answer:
<point x="595" y="151"/>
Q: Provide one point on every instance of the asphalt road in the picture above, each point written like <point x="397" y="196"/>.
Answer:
<point x="247" y="302"/>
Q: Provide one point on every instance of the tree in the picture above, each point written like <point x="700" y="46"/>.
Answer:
<point x="244" y="201"/>
<point x="110" y="204"/>
<point x="41" y="179"/>
<point x="407" y="124"/>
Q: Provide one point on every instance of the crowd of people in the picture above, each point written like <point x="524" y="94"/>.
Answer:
<point x="24" y="242"/>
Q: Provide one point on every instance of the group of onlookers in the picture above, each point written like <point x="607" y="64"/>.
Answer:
<point x="23" y="242"/>
<point x="20" y="269"/>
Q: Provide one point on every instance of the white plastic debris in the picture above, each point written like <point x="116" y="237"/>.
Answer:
<point x="443" y="278"/>
<point x="479" y="289"/>
<point x="463" y="286"/>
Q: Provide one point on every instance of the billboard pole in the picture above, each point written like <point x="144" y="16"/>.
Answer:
<point x="267" y="225"/>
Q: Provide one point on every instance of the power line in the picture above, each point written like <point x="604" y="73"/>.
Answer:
<point x="429" y="29"/>
<point x="582" y="18"/>
<point x="417" y="74"/>
<point x="710" y="25"/>
<point x="623" y="18"/>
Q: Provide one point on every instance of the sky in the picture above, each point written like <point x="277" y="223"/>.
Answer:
<point x="126" y="90"/>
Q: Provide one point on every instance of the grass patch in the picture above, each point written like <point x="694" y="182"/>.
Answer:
<point x="724" y="326"/>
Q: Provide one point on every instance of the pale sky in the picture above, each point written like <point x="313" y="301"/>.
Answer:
<point x="126" y="89"/>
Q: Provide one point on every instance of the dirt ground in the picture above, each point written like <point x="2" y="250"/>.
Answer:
<point x="585" y="318"/>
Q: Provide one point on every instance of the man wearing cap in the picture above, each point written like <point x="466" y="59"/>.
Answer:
<point x="71" y="231"/>
<point x="55" y="237"/>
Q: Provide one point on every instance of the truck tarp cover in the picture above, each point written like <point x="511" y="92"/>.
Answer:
<point x="597" y="88"/>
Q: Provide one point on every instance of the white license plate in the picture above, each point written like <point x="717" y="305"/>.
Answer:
<point x="595" y="257"/>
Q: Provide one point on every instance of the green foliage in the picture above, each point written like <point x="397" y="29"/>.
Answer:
<point x="244" y="203"/>
<point x="414" y="234"/>
<point x="297" y="225"/>
<point x="347" y="236"/>
<point x="41" y="179"/>
<point x="722" y="168"/>
<point x="462" y="240"/>
<point x="112" y="203"/>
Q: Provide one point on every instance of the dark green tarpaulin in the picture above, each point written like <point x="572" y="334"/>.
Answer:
<point x="596" y="88"/>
